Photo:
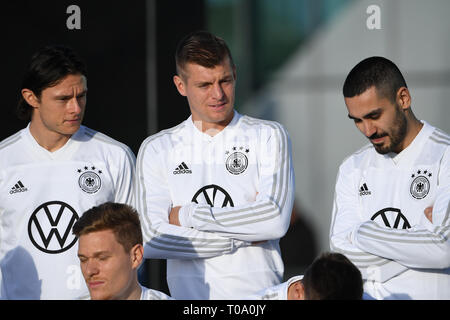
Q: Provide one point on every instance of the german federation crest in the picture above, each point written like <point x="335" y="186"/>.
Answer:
<point x="420" y="186"/>
<point x="89" y="180"/>
<point x="237" y="161"/>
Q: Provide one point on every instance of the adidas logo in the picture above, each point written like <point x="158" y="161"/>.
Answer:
<point x="364" y="191"/>
<point x="18" y="187"/>
<point x="182" y="169"/>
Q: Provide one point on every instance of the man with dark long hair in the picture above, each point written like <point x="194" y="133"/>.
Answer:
<point x="51" y="172"/>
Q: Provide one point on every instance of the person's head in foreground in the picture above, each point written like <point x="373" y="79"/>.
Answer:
<point x="331" y="276"/>
<point x="379" y="102"/>
<point x="110" y="251"/>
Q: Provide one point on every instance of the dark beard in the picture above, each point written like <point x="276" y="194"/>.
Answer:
<point x="397" y="135"/>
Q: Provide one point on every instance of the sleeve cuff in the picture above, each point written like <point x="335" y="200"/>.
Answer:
<point x="185" y="215"/>
<point x="425" y="223"/>
<point x="235" y="244"/>
<point x="353" y="233"/>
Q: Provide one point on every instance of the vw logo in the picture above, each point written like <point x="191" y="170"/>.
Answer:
<point x="391" y="218"/>
<point x="50" y="227"/>
<point x="213" y="195"/>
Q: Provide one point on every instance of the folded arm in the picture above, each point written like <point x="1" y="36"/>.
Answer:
<point x="268" y="217"/>
<point x="347" y="214"/>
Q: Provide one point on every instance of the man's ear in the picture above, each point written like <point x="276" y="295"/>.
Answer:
<point x="296" y="291"/>
<point x="179" y="83"/>
<point x="137" y="255"/>
<point x="30" y="98"/>
<point x="403" y="98"/>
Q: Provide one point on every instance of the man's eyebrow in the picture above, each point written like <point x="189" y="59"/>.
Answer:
<point x="69" y="96"/>
<point x="63" y="96"/>
<point x="227" y="76"/>
<point x="96" y="254"/>
<point x="201" y="83"/>
<point x="366" y="116"/>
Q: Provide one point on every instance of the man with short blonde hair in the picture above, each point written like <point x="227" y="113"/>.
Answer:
<point x="110" y="252"/>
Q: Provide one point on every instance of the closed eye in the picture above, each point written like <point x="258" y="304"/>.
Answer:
<point x="373" y="116"/>
<point x="203" y="84"/>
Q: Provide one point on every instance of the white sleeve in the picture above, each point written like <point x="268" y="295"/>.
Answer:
<point x="346" y="217"/>
<point x="163" y="240"/>
<point x="268" y="217"/>
<point x="430" y="245"/>
<point x="125" y="178"/>
<point x="2" y="294"/>
<point x="277" y="292"/>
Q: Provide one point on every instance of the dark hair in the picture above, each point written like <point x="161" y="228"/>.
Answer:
<point x="121" y="218"/>
<point x="48" y="66"/>
<point x="202" y="48"/>
<point x="374" y="71"/>
<point x="332" y="276"/>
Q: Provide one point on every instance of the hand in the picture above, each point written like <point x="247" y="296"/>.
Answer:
<point x="255" y="243"/>
<point x="173" y="216"/>
<point x="429" y="213"/>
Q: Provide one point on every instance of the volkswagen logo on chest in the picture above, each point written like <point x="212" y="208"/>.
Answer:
<point x="213" y="195"/>
<point x="50" y="227"/>
<point x="391" y="218"/>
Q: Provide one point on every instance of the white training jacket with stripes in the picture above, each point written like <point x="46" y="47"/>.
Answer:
<point x="151" y="294"/>
<point x="378" y="218"/>
<point x="42" y="194"/>
<point x="278" y="292"/>
<point x="146" y="294"/>
<point x="235" y="188"/>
